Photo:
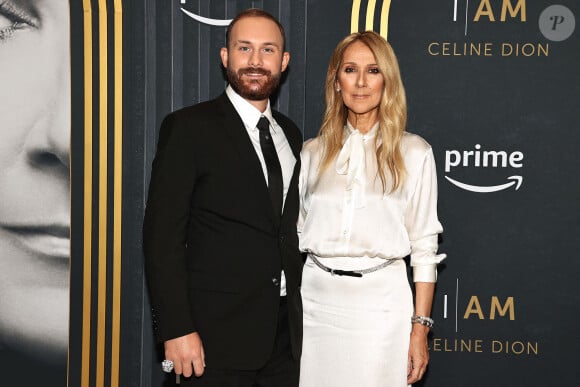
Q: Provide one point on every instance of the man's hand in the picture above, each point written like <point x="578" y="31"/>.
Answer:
<point x="186" y="351"/>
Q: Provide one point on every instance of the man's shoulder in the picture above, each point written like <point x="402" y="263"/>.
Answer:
<point x="192" y="121"/>
<point x="210" y="108"/>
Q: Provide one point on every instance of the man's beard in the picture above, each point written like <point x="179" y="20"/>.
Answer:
<point x="254" y="89"/>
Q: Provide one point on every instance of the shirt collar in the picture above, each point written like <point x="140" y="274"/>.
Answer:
<point x="248" y="113"/>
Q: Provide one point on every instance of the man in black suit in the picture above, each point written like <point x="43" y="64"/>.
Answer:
<point x="221" y="248"/>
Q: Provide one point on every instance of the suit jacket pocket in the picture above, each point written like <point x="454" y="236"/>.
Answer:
<point x="214" y="282"/>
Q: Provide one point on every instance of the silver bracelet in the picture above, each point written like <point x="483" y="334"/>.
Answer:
<point x="423" y="320"/>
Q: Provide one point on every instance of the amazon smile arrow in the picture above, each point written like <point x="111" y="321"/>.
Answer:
<point x="516" y="180"/>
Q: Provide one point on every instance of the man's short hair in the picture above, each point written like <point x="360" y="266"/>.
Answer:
<point x="255" y="12"/>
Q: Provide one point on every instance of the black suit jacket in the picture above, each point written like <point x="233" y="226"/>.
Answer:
<point x="213" y="247"/>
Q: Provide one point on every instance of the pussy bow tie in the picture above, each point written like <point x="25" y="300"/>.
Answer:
<point x="351" y="162"/>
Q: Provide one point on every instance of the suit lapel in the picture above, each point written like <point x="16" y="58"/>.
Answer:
<point x="295" y="144"/>
<point x="292" y="194"/>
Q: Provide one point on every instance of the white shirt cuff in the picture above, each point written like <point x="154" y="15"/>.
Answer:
<point x="425" y="273"/>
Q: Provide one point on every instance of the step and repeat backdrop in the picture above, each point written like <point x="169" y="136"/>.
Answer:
<point x="492" y="85"/>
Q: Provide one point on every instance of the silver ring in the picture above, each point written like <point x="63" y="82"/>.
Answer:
<point x="167" y="366"/>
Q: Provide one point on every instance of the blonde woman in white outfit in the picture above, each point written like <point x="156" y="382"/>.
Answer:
<point x="369" y="198"/>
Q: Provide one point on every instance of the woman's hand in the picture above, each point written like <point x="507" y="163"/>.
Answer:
<point x="418" y="347"/>
<point x="418" y="354"/>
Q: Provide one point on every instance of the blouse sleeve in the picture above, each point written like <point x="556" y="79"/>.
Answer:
<point x="422" y="223"/>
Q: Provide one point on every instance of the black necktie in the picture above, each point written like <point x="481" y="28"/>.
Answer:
<point x="275" y="183"/>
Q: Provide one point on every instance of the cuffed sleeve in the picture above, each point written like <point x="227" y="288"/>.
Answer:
<point x="422" y="223"/>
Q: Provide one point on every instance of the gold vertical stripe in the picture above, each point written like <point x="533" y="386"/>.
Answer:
<point x="117" y="195"/>
<point x="354" y="16"/>
<point x="103" y="162"/>
<point x="385" y="18"/>
<point x="370" y="20"/>
<point x="88" y="191"/>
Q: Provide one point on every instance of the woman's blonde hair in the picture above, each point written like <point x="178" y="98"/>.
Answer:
<point x="392" y="112"/>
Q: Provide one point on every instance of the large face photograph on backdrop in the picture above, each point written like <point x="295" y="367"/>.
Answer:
<point x="34" y="190"/>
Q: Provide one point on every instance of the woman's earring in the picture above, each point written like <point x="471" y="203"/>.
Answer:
<point x="338" y="89"/>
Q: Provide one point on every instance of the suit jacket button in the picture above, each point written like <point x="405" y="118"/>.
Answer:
<point x="275" y="281"/>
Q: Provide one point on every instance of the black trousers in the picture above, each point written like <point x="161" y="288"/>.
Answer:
<point x="281" y="370"/>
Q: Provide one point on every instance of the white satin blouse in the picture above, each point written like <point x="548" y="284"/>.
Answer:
<point x="344" y="212"/>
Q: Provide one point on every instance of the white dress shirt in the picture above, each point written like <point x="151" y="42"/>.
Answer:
<point x="345" y="213"/>
<point x="250" y="117"/>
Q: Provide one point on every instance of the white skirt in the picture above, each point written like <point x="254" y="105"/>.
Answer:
<point x="356" y="330"/>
